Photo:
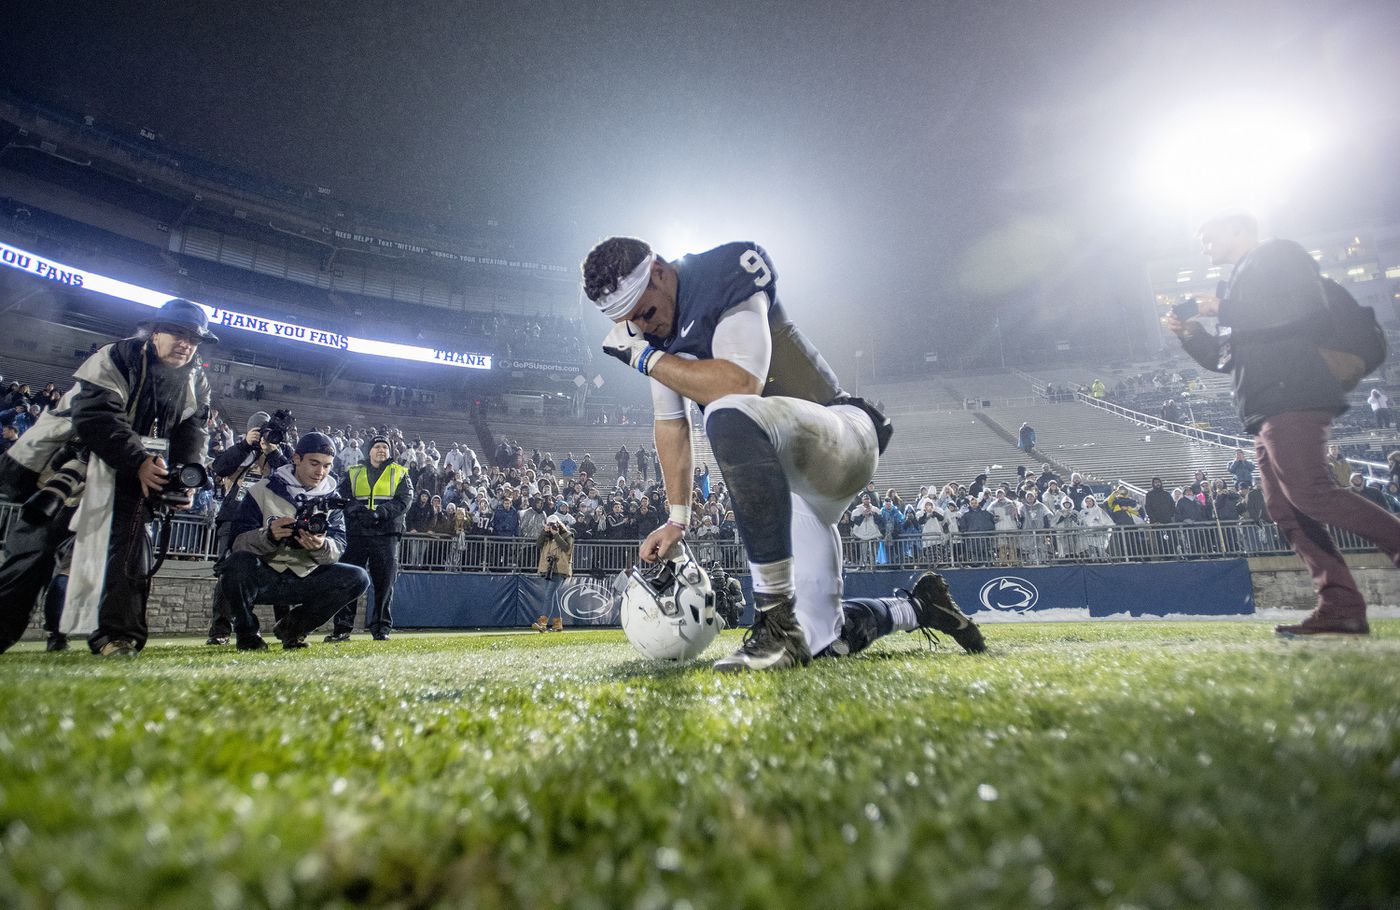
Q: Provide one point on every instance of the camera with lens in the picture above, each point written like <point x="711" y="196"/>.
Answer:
<point x="275" y="431"/>
<point x="67" y="482"/>
<point x="183" y="479"/>
<point x="313" y="516"/>
<point x="184" y="468"/>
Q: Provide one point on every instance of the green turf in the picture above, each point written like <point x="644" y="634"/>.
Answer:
<point x="1076" y="765"/>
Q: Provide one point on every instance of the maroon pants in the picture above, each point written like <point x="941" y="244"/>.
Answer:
<point x="1304" y="499"/>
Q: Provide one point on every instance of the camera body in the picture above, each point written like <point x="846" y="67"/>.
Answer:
<point x="1187" y="309"/>
<point x="185" y="470"/>
<point x="275" y="431"/>
<point x="313" y="516"/>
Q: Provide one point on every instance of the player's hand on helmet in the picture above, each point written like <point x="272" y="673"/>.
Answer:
<point x="625" y="342"/>
<point x="661" y="542"/>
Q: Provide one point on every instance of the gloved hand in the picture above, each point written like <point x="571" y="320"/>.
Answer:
<point x="625" y="342"/>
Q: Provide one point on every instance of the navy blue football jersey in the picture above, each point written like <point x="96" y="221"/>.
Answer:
<point x="711" y="284"/>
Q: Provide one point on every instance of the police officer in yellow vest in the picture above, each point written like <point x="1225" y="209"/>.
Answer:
<point x="379" y="493"/>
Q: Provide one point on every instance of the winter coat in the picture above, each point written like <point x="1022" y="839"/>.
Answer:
<point x="274" y="498"/>
<point x="1276" y="309"/>
<point x="1160" y="508"/>
<point x="977" y="521"/>
<point x="867" y="526"/>
<point x="556" y="541"/>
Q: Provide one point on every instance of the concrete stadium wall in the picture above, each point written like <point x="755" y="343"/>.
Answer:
<point x="181" y="596"/>
<point x="1281" y="583"/>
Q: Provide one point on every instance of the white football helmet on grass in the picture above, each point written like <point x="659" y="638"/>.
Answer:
<point x="668" y="608"/>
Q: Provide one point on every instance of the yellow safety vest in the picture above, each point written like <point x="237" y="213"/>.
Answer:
<point x="384" y="487"/>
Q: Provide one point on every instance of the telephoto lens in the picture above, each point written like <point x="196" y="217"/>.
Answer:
<point x="46" y="502"/>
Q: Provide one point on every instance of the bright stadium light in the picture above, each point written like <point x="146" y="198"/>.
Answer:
<point x="676" y="240"/>
<point x="1243" y="154"/>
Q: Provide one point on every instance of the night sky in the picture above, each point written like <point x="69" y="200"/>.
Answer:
<point x="915" y="169"/>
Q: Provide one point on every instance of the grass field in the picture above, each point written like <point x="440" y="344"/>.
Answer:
<point x="1076" y="765"/>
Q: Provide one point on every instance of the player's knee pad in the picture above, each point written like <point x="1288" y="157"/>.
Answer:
<point x="733" y="434"/>
<point x="749" y="462"/>
<point x="731" y="405"/>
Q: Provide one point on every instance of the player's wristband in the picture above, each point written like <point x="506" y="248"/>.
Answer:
<point x="679" y="517"/>
<point x="648" y="360"/>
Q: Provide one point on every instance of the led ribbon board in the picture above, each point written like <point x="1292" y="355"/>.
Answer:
<point x="59" y="273"/>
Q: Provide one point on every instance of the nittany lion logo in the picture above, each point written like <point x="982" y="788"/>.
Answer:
<point x="1009" y="594"/>
<point x="588" y="600"/>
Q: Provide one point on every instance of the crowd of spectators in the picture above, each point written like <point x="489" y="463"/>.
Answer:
<point x="510" y="494"/>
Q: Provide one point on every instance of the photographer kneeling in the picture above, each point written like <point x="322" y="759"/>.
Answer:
<point x="288" y="538"/>
<point x="95" y="463"/>
<point x="261" y="451"/>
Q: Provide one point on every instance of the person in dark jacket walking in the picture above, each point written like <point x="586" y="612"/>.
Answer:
<point x="1287" y="395"/>
<point x="378" y="495"/>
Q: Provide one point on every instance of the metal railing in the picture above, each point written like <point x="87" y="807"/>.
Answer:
<point x="1077" y="544"/>
<point x="1209" y="437"/>
<point x="193" y="537"/>
<point x="1371" y="470"/>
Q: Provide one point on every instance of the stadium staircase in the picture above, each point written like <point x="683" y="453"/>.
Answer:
<point x="1108" y="448"/>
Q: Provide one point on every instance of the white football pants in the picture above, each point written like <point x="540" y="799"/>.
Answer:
<point x="828" y="454"/>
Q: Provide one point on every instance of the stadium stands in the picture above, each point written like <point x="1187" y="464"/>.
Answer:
<point x="1108" y="448"/>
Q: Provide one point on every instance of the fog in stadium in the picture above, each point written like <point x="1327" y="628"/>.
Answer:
<point x="362" y="546"/>
<point x="917" y="170"/>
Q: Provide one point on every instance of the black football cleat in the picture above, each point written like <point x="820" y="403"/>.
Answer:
<point x="57" y="642"/>
<point x="337" y="638"/>
<point x="774" y="642"/>
<point x="936" y="611"/>
<point x="253" y="642"/>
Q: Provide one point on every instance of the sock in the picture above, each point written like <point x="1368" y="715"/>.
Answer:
<point x="863" y="621"/>
<point x="902" y="615"/>
<point x="757" y="484"/>
<point x="772" y="577"/>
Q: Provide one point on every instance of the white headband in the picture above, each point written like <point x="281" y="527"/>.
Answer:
<point x="628" y="291"/>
